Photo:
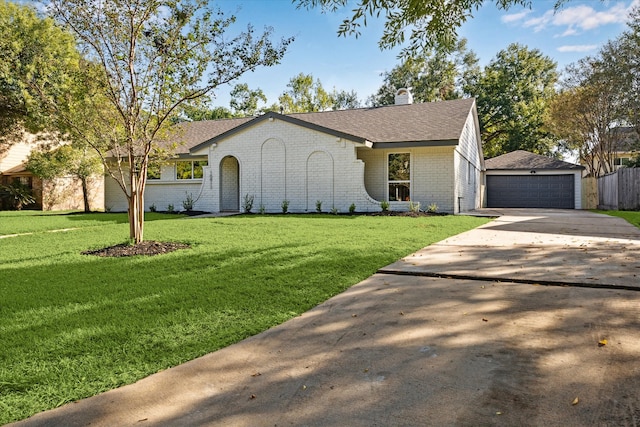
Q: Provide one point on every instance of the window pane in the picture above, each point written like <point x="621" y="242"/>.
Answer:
<point x="197" y="168"/>
<point x="183" y="170"/>
<point x="399" y="192"/>
<point x="153" y="171"/>
<point x="399" y="167"/>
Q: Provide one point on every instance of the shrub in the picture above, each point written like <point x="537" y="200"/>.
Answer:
<point x="352" y="208"/>
<point x="262" y="210"/>
<point x="18" y="195"/>
<point x="432" y="208"/>
<point x="285" y="206"/>
<point x="384" y="205"/>
<point x="248" y="203"/>
<point x="170" y="208"/>
<point x="335" y="210"/>
<point x="188" y="203"/>
<point x="318" y="206"/>
<point x="414" y="207"/>
<point x="153" y="208"/>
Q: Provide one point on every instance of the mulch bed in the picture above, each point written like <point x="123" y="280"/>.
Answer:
<point x="410" y="214"/>
<point x="144" y="248"/>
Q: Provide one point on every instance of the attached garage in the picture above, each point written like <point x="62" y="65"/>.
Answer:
<point x="525" y="180"/>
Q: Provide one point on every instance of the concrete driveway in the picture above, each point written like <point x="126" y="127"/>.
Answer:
<point x="442" y="337"/>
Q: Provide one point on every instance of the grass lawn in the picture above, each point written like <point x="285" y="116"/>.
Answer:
<point x="632" y="217"/>
<point x="73" y="325"/>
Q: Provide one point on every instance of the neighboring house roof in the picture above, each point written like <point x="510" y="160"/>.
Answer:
<point x="431" y="123"/>
<point x="19" y="169"/>
<point x="524" y="160"/>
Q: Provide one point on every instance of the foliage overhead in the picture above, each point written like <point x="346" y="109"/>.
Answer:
<point x="421" y="24"/>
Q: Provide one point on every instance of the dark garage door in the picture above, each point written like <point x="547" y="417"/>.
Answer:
<point x="530" y="191"/>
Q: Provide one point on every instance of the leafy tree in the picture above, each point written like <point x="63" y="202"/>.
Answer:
<point x="620" y="60"/>
<point x="197" y="113"/>
<point x="33" y="52"/>
<point x="433" y="75"/>
<point x="425" y="23"/>
<point x="344" y="100"/>
<point x="513" y="94"/>
<point x="599" y="95"/>
<point x="584" y="115"/>
<point x="305" y="95"/>
<point x="153" y="56"/>
<point x="244" y="101"/>
<point x="78" y="161"/>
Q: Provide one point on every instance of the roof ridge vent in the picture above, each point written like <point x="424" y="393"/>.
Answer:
<point x="403" y="97"/>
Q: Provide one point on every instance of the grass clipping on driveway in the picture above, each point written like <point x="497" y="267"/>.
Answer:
<point x="74" y="325"/>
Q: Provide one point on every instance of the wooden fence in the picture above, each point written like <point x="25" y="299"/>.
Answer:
<point x="620" y="190"/>
<point x="589" y="193"/>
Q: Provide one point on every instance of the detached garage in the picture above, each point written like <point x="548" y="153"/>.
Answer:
<point x="525" y="180"/>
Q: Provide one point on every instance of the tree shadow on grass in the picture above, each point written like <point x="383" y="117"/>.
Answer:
<point x="389" y="351"/>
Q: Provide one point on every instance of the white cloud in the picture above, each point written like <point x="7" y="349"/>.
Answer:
<point x="577" y="48"/>
<point x="580" y="18"/>
<point x="513" y="17"/>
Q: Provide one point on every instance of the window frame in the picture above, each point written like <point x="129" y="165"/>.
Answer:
<point x="403" y="182"/>
<point x="201" y="164"/>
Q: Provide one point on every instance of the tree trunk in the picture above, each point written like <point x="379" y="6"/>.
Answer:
<point x="85" y="194"/>
<point x="136" y="210"/>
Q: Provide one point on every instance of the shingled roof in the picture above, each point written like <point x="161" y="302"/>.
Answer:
<point x="524" y="160"/>
<point x="437" y="123"/>
<point x="190" y="134"/>
<point x="429" y="121"/>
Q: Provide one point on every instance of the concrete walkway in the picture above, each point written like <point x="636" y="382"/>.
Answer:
<point x="414" y="350"/>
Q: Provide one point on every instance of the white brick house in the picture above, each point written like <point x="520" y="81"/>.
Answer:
<point x="429" y="153"/>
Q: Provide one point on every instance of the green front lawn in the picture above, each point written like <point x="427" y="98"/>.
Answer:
<point x="632" y="217"/>
<point x="73" y="325"/>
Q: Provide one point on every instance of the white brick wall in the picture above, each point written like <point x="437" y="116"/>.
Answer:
<point x="467" y="195"/>
<point x="431" y="176"/>
<point x="157" y="192"/>
<point x="280" y="161"/>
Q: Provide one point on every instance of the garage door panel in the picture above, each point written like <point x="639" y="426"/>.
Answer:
<point x="530" y="191"/>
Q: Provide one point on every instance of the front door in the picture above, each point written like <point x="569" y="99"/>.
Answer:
<point x="229" y="184"/>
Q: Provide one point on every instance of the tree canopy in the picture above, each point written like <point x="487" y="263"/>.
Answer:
<point x="79" y="162"/>
<point x="305" y="95"/>
<point x="599" y="95"/>
<point x="152" y="57"/>
<point x="244" y="101"/>
<point x="308" y="95"/>
<point x="433" y="75"/>
<point x="34" y="52"/>
<point x="513" y="94"/>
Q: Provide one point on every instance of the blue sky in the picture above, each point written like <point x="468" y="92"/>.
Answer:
<point x="578" y="29"/>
